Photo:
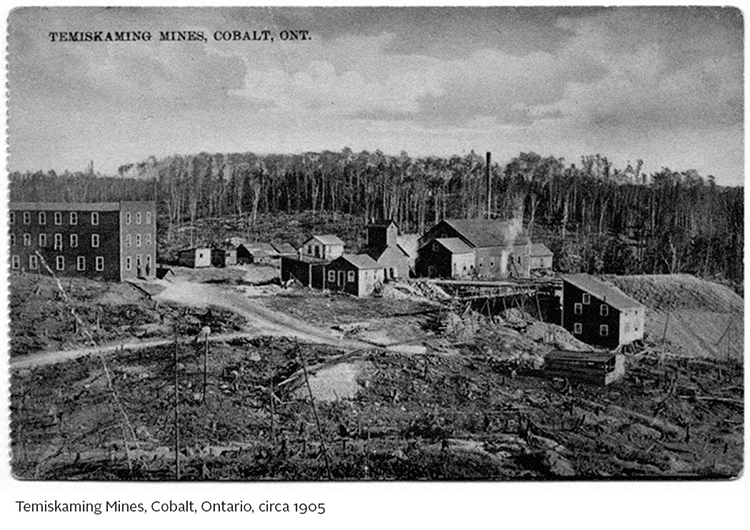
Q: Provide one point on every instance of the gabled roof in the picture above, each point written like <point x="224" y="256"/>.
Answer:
<point x="284" y="248"/>
<point x="540" y="249"/>
<point x="361" y="261"/>
<point x="603" y="291"/>
<point x="327" y="239"/>
<point x="488" y="232"/>
<point x="66" y="206"/>
<point x="454" y="245"/>
<point x="192" y="249"/>
<point x="377" y="253"/>
<point x="260" y="250"/>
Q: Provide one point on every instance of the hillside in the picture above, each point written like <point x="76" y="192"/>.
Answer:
<point x="697" y="318"/>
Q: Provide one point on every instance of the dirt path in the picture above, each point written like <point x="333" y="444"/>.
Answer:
<point x="261" y="319"/>
<point x="53" y="357"/>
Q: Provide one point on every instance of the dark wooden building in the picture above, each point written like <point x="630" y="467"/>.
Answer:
<point x="356" y="274"/>
<point x="307" y="272"/>
<point x="445" y="258"/>
<point x="111" y="241"/>
<point x="599" y="313"/>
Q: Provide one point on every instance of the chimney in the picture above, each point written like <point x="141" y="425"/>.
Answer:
<point x="489" y="186"/>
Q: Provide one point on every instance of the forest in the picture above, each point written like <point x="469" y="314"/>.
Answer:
<point x="597" y="218"/>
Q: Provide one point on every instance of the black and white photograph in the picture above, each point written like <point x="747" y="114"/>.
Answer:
<point x="374" y="245"/>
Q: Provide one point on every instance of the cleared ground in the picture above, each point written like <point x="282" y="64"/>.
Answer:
<point x="396" y="394"/>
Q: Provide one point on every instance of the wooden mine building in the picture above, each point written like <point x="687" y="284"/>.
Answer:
<point x="599" y="313"/>
<point x="108" y="240"/>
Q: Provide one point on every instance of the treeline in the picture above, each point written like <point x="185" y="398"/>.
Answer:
<point x="598" y="218"/>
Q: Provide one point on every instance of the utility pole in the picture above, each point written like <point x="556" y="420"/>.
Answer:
<point x="176" y="416"/>
<point x="489" y="185"/>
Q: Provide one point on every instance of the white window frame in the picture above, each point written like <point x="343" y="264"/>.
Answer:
<point x="138" y="218"/>
<point x="27" y="218"/>
<point x="148" y="239"/>
<point x="604" y="330"/>
<point x="58" y="242"/>
<point x="73" y="218"/>
<point x="331" y="276"/>
<point x="42" y="218"/>
<point x="81" y="263"/>
<point x="58" y="218"/>
<point x="73" y="240"/>
<point x="13" y="240"/>
<point x="138" y="240"/>
<point x="577" y="328"/>
<point x="128" y="218"/>
<point x="15" y="262"/>
<point x="148" y="218"/>
<point x="33" y="262"/>
<point x="60" y="263"/>
<point x="94" y="218"/>
<point x="94" y="240"/>
<point x="577" y="309"/>
<point x="12" y="219"/>
<point x="128" y="263"/>
<point x="138" y="261"/>
<point x="43" y="240"/>
<point x="492" y="262"/>
<point x="27" y="240"/>
<point x="100" y="263"/>
<point x="586" y="298"/>
<point x="604" y="310"/>
<point x="350" y="276"/>
<point x="128" y="240"/>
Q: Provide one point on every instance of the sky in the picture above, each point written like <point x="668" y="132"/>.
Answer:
<point x="664" y="85"/>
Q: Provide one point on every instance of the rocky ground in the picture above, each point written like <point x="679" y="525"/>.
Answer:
<point x="467" y="400"/>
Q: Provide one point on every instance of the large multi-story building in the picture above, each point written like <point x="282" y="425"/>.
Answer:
<point x="107" y="240"/>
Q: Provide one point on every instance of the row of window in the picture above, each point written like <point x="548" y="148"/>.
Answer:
<point x="73" y="240"/>
<point x="57" y="242"/>
<point x="138" y="218"/>
<point x="138" y="263"/>
<point x="603" y="329"/>
<point x="15" y="263"/>
<point x="73" y="218"/>
<point x="57" y="218"/>
<point x="138" y="240"/>
<point x="350" y="276"/>
<point x="603" y="309"/>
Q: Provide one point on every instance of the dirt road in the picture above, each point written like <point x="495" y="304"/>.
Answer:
<point x="260" y="321"/>
<point x="53" y="357"/>
<point x="259" y="318"/>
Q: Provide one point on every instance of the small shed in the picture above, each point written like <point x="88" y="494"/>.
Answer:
<point x="223" y="257"/>
<point x="597" y="368"/>
<point x="541" y="257"/>
<point x="194" y="257"/>
<point x="356" y="274"/>
<point x="326" y="247"/>
<point x="257" y="253"/>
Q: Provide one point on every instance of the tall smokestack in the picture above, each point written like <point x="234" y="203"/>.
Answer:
<point x="489" y="186"/>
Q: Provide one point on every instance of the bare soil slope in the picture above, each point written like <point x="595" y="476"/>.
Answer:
<point x="695" y="317"/>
